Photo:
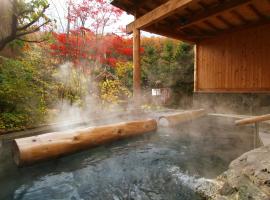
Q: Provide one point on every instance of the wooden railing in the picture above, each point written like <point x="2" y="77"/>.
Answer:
<point x="254" y="120"/>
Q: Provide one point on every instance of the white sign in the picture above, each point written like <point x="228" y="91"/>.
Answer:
<point x="156" y="92"/>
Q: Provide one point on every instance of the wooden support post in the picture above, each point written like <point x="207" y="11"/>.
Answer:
<point x="136" y="66"/>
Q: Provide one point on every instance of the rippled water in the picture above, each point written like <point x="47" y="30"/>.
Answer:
<point x="162" y="165"/>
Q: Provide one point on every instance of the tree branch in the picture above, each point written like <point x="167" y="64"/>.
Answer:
<point x="17" y="32"/>
<point x="32" y="31"/>
<point x="32" y="41"/>
<point x="34" y="21"/>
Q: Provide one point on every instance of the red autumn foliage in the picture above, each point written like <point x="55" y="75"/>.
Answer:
<point x="110" y="50"/>
<point x="71" y="47"/>
<point x="91" y="43"/>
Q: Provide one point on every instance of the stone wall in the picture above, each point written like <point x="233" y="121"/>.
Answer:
<point x="233" y="103"/>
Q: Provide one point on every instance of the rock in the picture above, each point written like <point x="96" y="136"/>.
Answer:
<point x="227" y="189"/>
<point x="209" y="189"/>
<point x="248" y="177"/>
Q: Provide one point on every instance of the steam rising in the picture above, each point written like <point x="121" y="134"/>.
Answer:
<point x="206" y="187"/>
<point x="69" y="111"/>
<point x="91" y="107"/>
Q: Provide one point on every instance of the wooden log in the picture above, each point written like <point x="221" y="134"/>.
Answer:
<point x="174" y="119"/>
<point x="52" y="145"/>
<point x="251" y="120"/>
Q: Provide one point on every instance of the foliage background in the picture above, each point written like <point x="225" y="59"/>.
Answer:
<point x="84" y="62"/>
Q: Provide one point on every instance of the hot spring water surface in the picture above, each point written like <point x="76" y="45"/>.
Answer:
<point x="162" y="165"/>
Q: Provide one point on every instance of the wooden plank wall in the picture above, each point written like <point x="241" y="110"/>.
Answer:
<point x="236" y="62"/>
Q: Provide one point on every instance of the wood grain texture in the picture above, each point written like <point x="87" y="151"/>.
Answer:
<point x="174" y="119"/>
<point x="213" y="11"/>
<point x="237" y="62"/>
<point x="157" y="14"/>
<point x="195" y="20"/>
<point x="52" y="145"/>
<point x="252" y="120"/>
<point x="195" y="86"/>
<point x="136" y="66"/>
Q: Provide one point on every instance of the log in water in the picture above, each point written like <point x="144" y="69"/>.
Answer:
<point x="52" y="145"/>
<point x="174" y="119"/>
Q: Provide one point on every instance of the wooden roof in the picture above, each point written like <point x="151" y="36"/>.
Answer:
<point x="195" y="20"/>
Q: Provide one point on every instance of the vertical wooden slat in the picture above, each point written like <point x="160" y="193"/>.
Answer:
<point x="237" y="62"/>
<point x="195" y="68"/>
<point x="136" y="66"/>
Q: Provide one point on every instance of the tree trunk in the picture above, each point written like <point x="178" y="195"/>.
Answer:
<point x="52" y="145"/>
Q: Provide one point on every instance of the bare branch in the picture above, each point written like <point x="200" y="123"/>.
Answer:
<point x="59" y="18"/>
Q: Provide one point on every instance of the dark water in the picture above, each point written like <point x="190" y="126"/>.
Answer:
<point x="161" y="165"/>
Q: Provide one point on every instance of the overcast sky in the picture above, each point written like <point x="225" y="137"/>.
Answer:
<point x="58" y="10"/>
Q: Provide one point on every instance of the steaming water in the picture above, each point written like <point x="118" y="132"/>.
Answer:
<point x="163" y="165"/>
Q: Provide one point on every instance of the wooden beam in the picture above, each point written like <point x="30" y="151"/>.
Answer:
<point x="136" y="66"/>
<point x="225" y="21"/>
<point x="122" y="6"/>
<point x="212" y="11"/>
<point x="211" y="25"/>
<point x="221" y="1"/>
<point x="201" y="30"/>
<point x="190" y="31"/>
<point x="203" y="5"/>
<point x="190" y="11"/>
<point x="246" y="25"/>
<point x="138" y="4"/>
<point x="239" y="17"/>
<point x="157" y="14"/>
<point x="256" y="11"/>
<point x="140" y="7"/>
<point x="163" y="31"/>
